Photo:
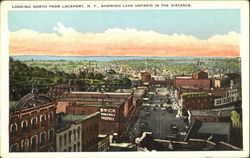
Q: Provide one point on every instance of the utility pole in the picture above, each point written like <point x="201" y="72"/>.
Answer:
<point x="147" y="65"/>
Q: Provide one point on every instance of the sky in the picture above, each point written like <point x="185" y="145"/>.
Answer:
<point x="125" y="32"/>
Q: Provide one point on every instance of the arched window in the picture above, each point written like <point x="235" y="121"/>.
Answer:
<point x="42" y="138"/>
<point x="51" y="116"/>
<point x="43" y="120"/>
<point x="33" y="143"/>
<point x="78" y="132"/>
<point x="13" y="129"/>
<point x="25" y="145"/>
<point x="74" y="132"/>
<point x="33" y="123"/>
<point x="51" y="135"/>
<point x="14" y="147"/>
<point x="24" y="126"/>
<point x="65" y="139"/>
<point x="60" y="141"/>
<point x="70" y="134"/>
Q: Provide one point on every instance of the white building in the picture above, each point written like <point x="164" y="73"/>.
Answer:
<point x="69" y="134"/>
<point x="232" y="95"/>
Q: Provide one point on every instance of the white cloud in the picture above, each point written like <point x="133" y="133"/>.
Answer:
<point x="118" y="41"/>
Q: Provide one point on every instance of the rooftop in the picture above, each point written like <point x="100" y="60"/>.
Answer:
<point x="68" y="119"/>
<point x="31" y="100"/>
<point x="98" y="105"/>
<point x="94" y="99"/>
<point x="104" y="93"/>
<point x="195" y="93"/>
<point x="216" y="128"/>
<point x="221" y="128"/>
<point x="222" y="113"/>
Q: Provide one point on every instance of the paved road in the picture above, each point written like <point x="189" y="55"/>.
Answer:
<point x="156" y="120"/>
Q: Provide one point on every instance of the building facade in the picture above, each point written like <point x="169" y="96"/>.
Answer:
<point x="195" y="100"/>
<point x="77" y="133"/>
<point x="231" y="96"/>
<point x="32" y="124"/>
<point x="68" y="134"/>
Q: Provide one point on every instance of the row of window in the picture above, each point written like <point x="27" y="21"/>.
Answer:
<point x="31" y="145"/>
<point x="232" y="92"/>
<point x="68" y="136"/>
<point x="198" y="101"/>
<point x="75" y="148"/>
<point x="25" y="125"/>
<point x="225" y="100"/>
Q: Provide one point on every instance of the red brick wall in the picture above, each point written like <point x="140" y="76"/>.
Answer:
<point x="108" y="127"/>
<point x="84" y="110"/>
<point x="20" y="135"/>
<point x="200" y="75"/>
<point x="198" y="102"/>
<point x="195" y="83"/>
<point x="90" y="131"/>
<point x="205" y="118"/>
<point x="61" y="106"/>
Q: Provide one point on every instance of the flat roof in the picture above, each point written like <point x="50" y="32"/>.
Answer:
<point x="193" y="93"/>
<point x="89" y="99"/>
<point x="77" y="118"/>
<point x="222" y="113"/>
<point x="105" y="93"/>
<point x="105" y="104"/>
<point x="222" y="128"/>
<point x="69" y="119"/>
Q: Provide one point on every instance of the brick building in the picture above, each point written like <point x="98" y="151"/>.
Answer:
<point x="195" y="100"/>
<point x="68" y="133"/>
<point x="32" y="124"/>
<point x="145" y="77"/>
<point x="77" y="132"/>
<point x="60" y="90"/>
<point x="115" y="109"/>
<point x="200" y="81"/>
<point x="210" y="115"/>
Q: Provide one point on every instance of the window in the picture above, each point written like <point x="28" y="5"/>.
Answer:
<point x="65" y="150"/>
<point x="69" y="149"/>
<point x="51" y="117"/>
<point x="74" y="132"/>
<point x="43" y="137"/>
<point x="65" y="139"/>
<point x="51" y="135"/>
<point x="25" y="145"/>
<point x="33" y="143"/>
<point x="13" y="129"/>
<point x="43" y="120"/>
<point x="33" y="123"/>
<point x="60" y="141"/>
<point x="78" y="132"/>
<point x="70" y="133"/>
<point x="14" y="147"/>
<point x="24" y="126"/>
<point x="78" y="146"/>
<point x="74" y="147"/>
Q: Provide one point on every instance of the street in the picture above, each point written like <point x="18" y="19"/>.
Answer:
<point x="157" y="119"/>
